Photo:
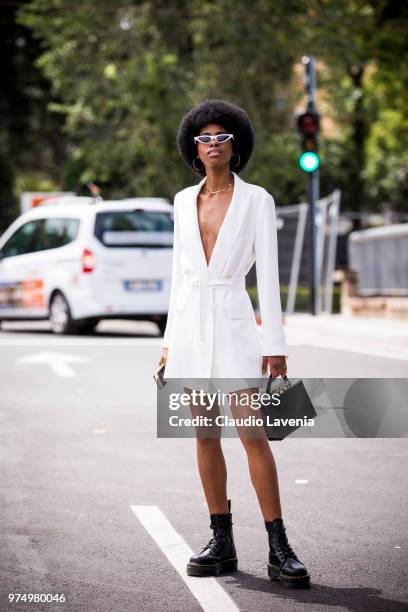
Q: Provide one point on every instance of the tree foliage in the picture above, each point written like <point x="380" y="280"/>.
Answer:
<point x="124" y="73"/>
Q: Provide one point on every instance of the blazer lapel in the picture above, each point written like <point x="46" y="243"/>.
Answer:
<point x="229" y="229"/>
<point x="226" y="235"/>
<point x="191" y="234"/>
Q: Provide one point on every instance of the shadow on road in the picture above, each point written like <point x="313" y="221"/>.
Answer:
<point x="351" y="598"/>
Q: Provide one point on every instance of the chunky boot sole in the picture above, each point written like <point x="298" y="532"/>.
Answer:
<point x="198" y="569"/>
<point x="291" y="582"/>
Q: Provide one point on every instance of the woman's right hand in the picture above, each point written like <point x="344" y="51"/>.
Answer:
<point x="163" y="356"/>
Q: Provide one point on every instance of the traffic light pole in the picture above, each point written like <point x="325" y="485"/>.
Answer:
<point x="312" y="196"/>
<point x="313" y="187"/>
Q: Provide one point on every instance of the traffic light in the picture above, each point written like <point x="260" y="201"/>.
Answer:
<point x="308" y="124"/>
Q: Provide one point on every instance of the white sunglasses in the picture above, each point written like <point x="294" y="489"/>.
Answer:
<point x="206" y="139"/>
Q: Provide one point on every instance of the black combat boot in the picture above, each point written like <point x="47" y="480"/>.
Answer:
<point x="283" y="563"/>
<point x="219" y="554"/>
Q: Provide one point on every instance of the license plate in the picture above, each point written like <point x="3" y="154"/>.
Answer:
<point x="143" y="285"/>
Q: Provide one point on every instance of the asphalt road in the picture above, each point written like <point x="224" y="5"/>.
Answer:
<point x="79" y="452"/>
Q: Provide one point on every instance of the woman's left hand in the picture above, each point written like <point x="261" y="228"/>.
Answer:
<point x="277" y="365"/>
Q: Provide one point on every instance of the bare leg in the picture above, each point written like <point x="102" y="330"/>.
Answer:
<point x="211" y="462"/>
<point x="261" y="462"/>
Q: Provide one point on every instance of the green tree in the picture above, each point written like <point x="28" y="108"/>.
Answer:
<point x="126" y="73"/>
<point x="123" y="74"/>
<point x="356" y="39"/>
<point x="32" y="146"/>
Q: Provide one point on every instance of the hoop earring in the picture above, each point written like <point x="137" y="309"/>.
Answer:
<point x="196" y="169"/>
<point x="239" y="161"/>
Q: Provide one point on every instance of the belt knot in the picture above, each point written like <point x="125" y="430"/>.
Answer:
<point x="206" y="287"/>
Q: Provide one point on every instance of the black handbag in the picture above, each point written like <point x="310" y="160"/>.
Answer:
<point x="294" y="410"/>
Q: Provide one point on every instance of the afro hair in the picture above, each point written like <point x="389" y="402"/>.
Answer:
<point x="234" y="119"/>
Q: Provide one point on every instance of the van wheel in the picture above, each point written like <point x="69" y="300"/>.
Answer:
<point x="162" y="322"/>
<point x="87" y="326"/>
<point x="60" y="316"/>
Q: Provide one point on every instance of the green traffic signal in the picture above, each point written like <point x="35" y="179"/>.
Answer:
<point x="309" y="161"/>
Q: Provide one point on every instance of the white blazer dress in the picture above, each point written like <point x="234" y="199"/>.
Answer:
<point x="211" y="327"/>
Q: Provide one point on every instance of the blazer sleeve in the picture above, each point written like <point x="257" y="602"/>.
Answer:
<point x="267" y="274"/>
<point x="175" y="277"/>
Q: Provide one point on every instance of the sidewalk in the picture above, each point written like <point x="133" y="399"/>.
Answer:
<point x="366" y="335"/>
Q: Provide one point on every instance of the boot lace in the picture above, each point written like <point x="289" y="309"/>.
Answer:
<point x="216" y="542"/>
<point x="282" y="547"/>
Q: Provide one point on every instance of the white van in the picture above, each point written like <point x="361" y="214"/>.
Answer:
<point x="76" y="260"/>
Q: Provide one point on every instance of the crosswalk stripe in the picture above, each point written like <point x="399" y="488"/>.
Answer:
<point x="207" y="591"/>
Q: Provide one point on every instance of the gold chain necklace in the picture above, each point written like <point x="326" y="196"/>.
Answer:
<point x="218" y="190"/>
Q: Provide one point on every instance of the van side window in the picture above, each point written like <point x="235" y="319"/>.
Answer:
<point x="134" y="228"/>
<point x="58" y="232"/>
<point x="24" y="240"/>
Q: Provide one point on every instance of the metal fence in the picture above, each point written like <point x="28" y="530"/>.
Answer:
<point x="293" y="237"/>
<point x="380" y="258"/>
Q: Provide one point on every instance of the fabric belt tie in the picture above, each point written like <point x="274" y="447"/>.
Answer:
<point x="206" y="287"/>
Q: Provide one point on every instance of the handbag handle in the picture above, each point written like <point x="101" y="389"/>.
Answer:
<point x="272" y="378"/>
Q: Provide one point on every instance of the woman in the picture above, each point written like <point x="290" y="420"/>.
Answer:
<point x="221" y="227"/>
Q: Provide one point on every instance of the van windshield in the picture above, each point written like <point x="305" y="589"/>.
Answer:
<point x="135" y="228"/>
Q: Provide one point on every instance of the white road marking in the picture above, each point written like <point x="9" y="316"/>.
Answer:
<point x="50" y="341"/>
<point x="301" y="481"/>
<point x="207" y="591"/>
<point x="58" y="362"/>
